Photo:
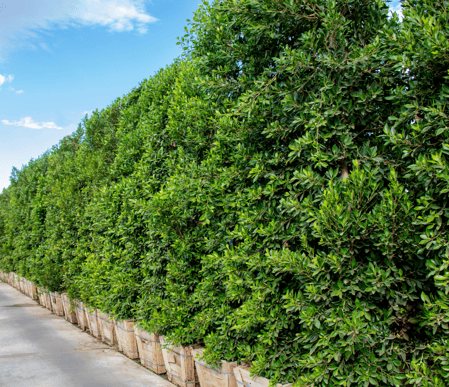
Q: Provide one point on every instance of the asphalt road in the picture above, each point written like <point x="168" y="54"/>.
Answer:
<point x="39" y="349"/>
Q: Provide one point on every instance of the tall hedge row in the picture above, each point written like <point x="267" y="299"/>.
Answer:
<point x="279" y="194"/>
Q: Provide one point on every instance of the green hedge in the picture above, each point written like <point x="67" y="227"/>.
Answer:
<point x="279" y="195"/>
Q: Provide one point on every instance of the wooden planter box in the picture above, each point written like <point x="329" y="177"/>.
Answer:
<point x="81" y="316"/>
<point x="56" y="304"/>
<point x="214" y="377"/>
<point x="93" y="322"/>
<point x="242" y="374"/>
<point x="107" y="328"/>
<point x="179" y="364"/>
<point x="126" y="338"/>
<point x="150" y="350"/>
<point x="70" y="316"/>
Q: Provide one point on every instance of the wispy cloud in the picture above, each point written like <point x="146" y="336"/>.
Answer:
<point x="28" y="122"/>
<point x="19" y="91"/>
<point x="44" y="46"/>
<point x="396" y="7"/>
<point x="117" y="15"/>
<point x="24" y="22"/>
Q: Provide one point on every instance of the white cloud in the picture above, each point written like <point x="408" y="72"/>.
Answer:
<point x="24" y="23"/>
<point x="19" y="91"/>
<point x="118" y="15"/>
<point x="50" y="125"/>
<point x="27" y="122"/>
<point x="398" y="9"/>
<point x="6" y="78"/>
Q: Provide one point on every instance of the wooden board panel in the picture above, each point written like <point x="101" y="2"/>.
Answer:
<point x="244" y="379"/>
<point x="33" y="291"/>
<point x="179" y="364"/>
<point x="213" y="377"/>
<point x="150" y="350"/>
<point x="81" y="316"/>
<point x="69" y="315"/>
<point x="107" y="330"/>
<point x="92" y="322"/>
<point x="48" y="303"/>
<point x="126" y="338"/>
<point x="56" y="304"/>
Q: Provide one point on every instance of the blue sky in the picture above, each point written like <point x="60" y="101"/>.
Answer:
<point x="62" y="59"/>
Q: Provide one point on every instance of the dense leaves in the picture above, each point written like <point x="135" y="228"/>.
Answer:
<point x="279" y="195"/>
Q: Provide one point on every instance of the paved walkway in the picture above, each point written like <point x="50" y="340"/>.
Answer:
<point x="39" y="349"/>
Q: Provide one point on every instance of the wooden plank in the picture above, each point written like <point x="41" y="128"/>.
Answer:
<point x="57" y="304"/>
<point x="107" y="330"/>
<point x="196" y="353"/>
<point x="165" y="353"/>
<point x="179" y="364"/>
<point x="48" y="303"/>
<point x="67" y="305"/>
<point x="150" y="352"/>
<point x="81" y="316"/>
<point x="171" y="357"/>
<point x="99" y="323"/>
<point x="92" y="322"/>
<point x="228" y="370"/>
<point x="187" y="364"/>
<point x="176" y="370"/>
<point x="238" y="376"/>
<point x="244" y="379"/>
<point x="255" y="381"/>
<point x="126" y="338"/>
<point x="33" y="291"/>
<point x="214" y="377"/>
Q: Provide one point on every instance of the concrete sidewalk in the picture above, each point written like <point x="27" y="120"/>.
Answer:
<point x="39" y="349"/>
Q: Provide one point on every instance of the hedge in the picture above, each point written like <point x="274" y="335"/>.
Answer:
<point x="278" y="194"/>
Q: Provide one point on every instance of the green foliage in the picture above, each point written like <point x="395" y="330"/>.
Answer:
<point x="279" y="195"/>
